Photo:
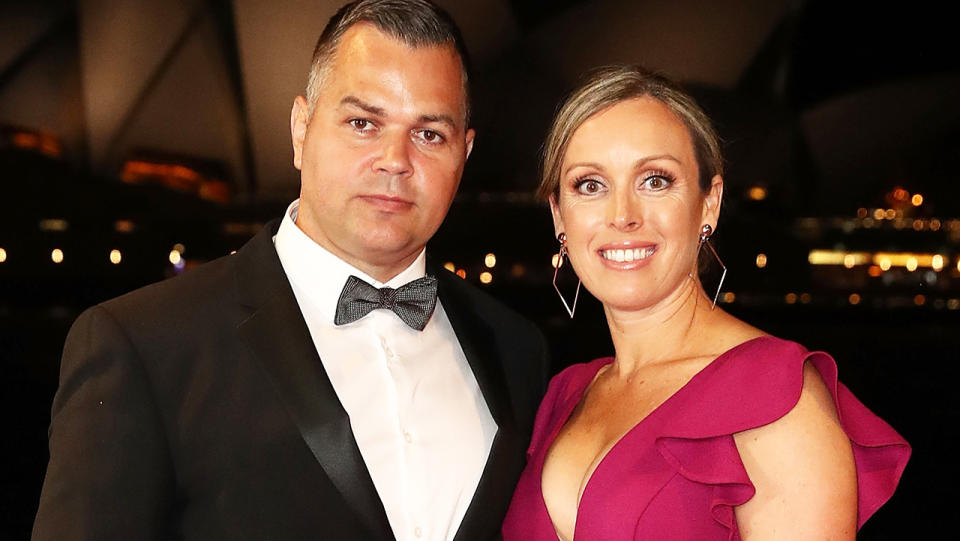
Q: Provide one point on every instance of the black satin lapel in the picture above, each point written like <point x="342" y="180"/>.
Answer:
<point x="278" y="336"/>
<point x="506" y="459"/>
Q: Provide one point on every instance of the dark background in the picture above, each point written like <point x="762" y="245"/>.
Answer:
<point x="827" y="108"/>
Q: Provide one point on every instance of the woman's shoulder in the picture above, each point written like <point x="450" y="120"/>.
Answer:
<point x="777" y="392"/>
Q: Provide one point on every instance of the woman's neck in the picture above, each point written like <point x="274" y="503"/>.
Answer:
<point x="661" y="332"/>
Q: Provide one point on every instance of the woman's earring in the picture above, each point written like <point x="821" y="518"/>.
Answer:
<point x="705" y="232"/>
<point x="559" y="261"/>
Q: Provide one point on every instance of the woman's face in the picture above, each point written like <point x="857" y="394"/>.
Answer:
<point x="631" y="206"/>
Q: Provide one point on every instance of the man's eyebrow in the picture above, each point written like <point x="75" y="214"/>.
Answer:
<point x="443" y="119"/>
<point x="357" y="102"/>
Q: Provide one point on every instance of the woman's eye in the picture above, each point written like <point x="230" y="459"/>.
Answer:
<point x="657" y="183"/>
<point x="588" y="186"/>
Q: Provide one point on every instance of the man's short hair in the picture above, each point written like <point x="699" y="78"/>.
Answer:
<point x="417" y="23"/>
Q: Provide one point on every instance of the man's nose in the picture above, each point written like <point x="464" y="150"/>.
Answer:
<point x="625" y="212"/>
<point x="394" y="156"/>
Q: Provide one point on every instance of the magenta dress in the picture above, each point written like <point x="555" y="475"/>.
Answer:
<point x="677" y="474"/>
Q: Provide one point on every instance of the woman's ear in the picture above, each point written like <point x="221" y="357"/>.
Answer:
<point x="712" y="202"/>
<point x="557" y="218"/>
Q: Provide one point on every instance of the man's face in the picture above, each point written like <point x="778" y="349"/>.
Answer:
<point x="382" y="155"/>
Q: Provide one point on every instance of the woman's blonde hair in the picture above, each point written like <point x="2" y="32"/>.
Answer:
<point x="608" y="86"/>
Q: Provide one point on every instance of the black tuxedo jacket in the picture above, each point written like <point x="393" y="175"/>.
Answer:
<point x="198" y="408"/>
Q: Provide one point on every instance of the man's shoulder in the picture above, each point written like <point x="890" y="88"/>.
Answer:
<point x="200" y="292"/>
<point x="493" y="311"/>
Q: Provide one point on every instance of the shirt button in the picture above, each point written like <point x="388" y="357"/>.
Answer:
<point x="409" y="438"/>
<point x="418" y="532"/>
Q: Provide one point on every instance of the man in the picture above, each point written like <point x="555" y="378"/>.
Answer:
<point x="273" y="395"/>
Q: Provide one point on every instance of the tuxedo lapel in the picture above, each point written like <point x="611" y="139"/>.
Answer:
<point x="278" y="336"/>
<point x="506" y="454"/>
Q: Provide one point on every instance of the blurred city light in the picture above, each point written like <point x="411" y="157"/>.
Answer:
<point x="486" y="277"/>
<point x="115" y="257"/>
<point x="53" y="224"/>
<point x="490" y="260"/>
<point x="56" y="256"/>
<point x="757" y="193"/>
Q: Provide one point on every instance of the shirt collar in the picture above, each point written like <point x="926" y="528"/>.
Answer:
<point x="319" y="274"/>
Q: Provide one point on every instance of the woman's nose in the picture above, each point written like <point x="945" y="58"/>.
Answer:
<point x="625" y="213"/>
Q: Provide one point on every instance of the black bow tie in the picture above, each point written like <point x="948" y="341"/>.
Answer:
<point x="413" y="302"/>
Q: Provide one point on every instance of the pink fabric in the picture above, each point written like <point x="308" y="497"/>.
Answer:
<point x="677" y="474"/>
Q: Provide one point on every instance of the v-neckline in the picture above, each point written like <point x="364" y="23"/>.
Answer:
<point x="572" y="405"/>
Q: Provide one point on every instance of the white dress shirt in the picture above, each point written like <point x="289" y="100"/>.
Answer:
<point x="420" y="421"/>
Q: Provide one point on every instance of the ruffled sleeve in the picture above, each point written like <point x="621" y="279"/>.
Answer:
<point x="754" y="385"/>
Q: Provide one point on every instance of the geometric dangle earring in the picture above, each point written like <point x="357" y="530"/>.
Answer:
<point x="705" y="232"/>
<point x="561" y="257"/>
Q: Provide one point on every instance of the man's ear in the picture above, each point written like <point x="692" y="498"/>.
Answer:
<point x="299" y="118"/>
<point x="470" y="135"/>
<point x="712" y="202"/>
<point x="558" y="226"/>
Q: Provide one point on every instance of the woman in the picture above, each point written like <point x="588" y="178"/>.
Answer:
<point x="702" y="426"/>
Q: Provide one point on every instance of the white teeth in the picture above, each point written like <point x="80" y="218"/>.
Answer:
<point x="621" y="256"/>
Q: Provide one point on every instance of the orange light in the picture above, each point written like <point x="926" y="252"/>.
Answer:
<point x="123" y="226"/>
<point x="935" y="225"/>
<point x="518" y="270"/>
<point x="791" y="298"/>
<point x="450" y="266"/>
<point x="878" y="214"/>
<point x="890" y="214"/>
<point x="761" y="261"/>
<point x="849" y="261"/>
<point x="912" y="264"/>
<point x="854" y="298"/>
<point x="56" y="256"/>
<point x="917" y="200"/>
<point x="3" y="255"/>
<point x="486" y="277"/>
<point x="875" y="271"/>
<point x="937" y="262"/>
<point x="490" y="260"/>
<point x="900" y="194"/>
<point x="919" y="300"/>
<point x="805" y="298"/>
<point x="861" y="212"/>
<point x="116" y="257"/>
<point x="918" y="225"/>
<point x="729" y="297"/>
<point x="462" y="273"/>
<point x="757" y="193"/>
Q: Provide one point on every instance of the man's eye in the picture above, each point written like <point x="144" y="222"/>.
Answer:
<point x="360" y="124"/>
<point x="430" y="136"/>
